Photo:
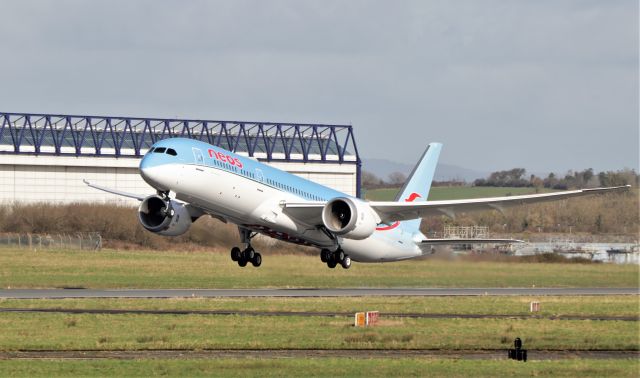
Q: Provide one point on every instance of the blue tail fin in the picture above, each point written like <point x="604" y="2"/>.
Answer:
<point x="419" y="183"/>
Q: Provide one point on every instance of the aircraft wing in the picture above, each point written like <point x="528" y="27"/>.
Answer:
<point x="194" y="211"/>
<point x="114" y="191"/>
<point x="399" y="211"/>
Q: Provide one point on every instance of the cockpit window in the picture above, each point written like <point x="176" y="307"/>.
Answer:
<point x="151" y="150"/>
<point x="172" y="152"/>
<point x="160" y="150"/>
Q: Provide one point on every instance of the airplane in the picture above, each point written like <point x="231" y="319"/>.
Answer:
<point x="193" y="178"/>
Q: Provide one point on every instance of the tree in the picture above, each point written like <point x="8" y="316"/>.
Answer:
<point x="397" y="178"/>
<point x="513" y="177"/>
<point x="369" y="180"/>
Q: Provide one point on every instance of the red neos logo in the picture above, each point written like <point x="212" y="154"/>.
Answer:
<point x="225" y="158"/>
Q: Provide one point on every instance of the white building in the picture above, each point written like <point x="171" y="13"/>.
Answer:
<point x="44" y="158"/>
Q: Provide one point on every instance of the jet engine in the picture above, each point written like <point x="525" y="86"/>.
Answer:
<point x="164" y="217"/>
<point x="349" y="218"/>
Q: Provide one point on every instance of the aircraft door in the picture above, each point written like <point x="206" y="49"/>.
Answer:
<point x="259" y="175"/>
<point x="197" y="154"/>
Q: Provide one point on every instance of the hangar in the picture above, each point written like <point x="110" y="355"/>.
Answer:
<point x="45" y="157"/>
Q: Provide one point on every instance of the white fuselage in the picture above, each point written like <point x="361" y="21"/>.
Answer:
<point x="255" y="205"/>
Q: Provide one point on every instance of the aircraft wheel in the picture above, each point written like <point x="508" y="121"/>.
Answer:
<point x="346" y="262"/>
<point x="242" y="262"/>
<point x="324" y="255"/>
<point x="235" y="253"/>
<point x="332" y="263"/>
<point x="249" y="253"/>
<point x="339" y="255"/>
<point x="256" y="260"/>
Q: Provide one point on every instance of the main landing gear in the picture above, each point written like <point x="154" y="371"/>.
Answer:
<point x="332" y="259"/>
<point x="246" y="256"/>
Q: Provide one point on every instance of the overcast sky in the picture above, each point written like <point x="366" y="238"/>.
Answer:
<point x="544" y="85"/>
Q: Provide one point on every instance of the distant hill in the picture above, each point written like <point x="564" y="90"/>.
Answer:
<point x="444" y="172"/>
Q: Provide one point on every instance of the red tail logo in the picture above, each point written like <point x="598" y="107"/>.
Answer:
<point x="412" y="197"/>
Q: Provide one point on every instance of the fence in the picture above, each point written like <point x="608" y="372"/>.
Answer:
<point x="466" y="232"/>
<point x="85" y="241"/>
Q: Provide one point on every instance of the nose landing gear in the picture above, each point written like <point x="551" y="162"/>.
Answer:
<point x="332" y="259"/>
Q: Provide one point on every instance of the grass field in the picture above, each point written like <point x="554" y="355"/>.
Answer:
<point x="453" y="192"/>
<point x="55" y="331"/>
<point x="59" y="331"/>
<point x="174" y="269"/>
<point x="323" y="367"/>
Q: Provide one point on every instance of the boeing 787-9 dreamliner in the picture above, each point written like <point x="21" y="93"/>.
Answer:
<point x="193" y="178"/>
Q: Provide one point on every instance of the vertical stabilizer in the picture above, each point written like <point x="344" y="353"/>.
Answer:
<point x="419" y="183"/>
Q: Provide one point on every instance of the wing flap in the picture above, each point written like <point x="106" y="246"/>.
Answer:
<point x="399" y="211"/>
<point x="309" y="213"/>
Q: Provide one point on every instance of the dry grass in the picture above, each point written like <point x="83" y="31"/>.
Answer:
<point x="120" y="229"/>
<point x="616" y="214"/>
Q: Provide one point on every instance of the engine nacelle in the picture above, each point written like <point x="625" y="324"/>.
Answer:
<point x="349" y="218"/>
<point x="164" y="217"/>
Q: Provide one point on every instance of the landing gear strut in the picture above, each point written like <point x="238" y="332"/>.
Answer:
<point x="332" y="259"/>
<point x="248" y="254"/>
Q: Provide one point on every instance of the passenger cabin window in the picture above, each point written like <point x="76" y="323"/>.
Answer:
<point x="159" y="150"/>
<point x="172" y="152"/>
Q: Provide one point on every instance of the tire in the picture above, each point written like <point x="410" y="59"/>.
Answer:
<point x="242" y="262"/>
<point x="339" y="255"/>
<point x="324" y="255"/>
<point x="249" y="253"/>
<point x="332" y="263"/>
<point x="256" y="260"/>
<point x="235" y="253"/>
<point x="346" y="262"/>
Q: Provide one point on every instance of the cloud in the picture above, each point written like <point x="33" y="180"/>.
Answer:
<point x="543" y="85"/>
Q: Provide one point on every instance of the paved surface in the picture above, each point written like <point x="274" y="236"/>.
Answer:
<point x="356" y="292"/>
<point x="322" y="353"/>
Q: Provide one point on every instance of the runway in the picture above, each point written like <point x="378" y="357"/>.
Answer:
<point x="295" y="293"/>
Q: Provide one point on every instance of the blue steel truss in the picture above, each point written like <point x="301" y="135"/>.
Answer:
<point x="56" y="134"/>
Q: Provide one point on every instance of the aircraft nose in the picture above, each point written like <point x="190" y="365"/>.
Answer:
<point x="150" y="172"/>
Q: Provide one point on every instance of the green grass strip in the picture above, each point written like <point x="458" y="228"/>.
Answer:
<point x="29" y="331"/>
<point x="314" y="367"/>
<point x="171" y="269"/>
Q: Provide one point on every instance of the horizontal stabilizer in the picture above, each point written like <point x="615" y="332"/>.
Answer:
<point x="454" y="241"/>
